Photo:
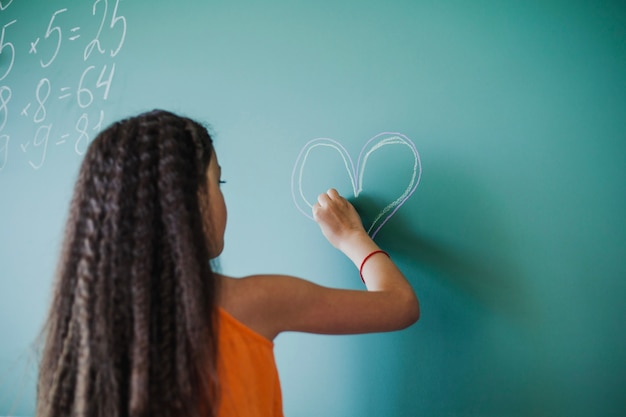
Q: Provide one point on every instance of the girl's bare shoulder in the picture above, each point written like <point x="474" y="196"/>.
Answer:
<point x="247" y="298"/>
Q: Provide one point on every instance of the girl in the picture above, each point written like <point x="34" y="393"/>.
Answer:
<point x="139" y="323"/>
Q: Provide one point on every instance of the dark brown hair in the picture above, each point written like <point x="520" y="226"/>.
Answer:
<point x="130" y="330"/>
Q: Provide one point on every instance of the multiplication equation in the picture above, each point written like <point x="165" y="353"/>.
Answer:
<point x="97" y="38"/>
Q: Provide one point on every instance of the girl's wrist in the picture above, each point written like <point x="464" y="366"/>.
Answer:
<point x="357" y="245"/>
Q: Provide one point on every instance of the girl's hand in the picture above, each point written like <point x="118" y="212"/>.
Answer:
<point x="337" y="218"/>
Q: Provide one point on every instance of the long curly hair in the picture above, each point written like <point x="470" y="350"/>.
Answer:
<point x="131" y="329"/>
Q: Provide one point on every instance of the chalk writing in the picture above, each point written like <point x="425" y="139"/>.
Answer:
<point x="41" y="141"/>
<point x="82" y="126"/>
<point x="49" y="32"/>
<point x="95" y="43"/>
<point x="356" y="174"/>
<point x="3" y="48"/>
<point x="74" y="30"/>
<point x="5" y="4"/>
<point x="115" y="20"/>
<point x="40" y="114"/>
<point x="34" y="113"/>
<point x="5" y="97"/>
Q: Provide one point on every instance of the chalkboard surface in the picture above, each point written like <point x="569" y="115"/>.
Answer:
<point x="497" y="182"/>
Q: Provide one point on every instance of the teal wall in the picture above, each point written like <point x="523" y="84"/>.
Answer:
<point x="515" y="239"/>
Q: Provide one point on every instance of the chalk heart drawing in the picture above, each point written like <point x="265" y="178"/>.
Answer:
<point x="356" y="173"/>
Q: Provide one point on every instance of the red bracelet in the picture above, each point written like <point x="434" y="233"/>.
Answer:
<point x="365" y="260"/>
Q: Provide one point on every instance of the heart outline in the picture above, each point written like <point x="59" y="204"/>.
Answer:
<point x="356" y="175"/>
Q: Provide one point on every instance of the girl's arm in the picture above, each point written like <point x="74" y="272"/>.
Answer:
<point x="284" y="303"/>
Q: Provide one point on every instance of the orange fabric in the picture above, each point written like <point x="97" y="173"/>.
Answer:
<point x="248" y="378"/>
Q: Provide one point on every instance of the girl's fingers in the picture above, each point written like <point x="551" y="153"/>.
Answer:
<point x="323" y="199"/>
<point x="332" y="193"/>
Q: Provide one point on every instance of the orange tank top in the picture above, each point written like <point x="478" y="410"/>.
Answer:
<point x="248" y="377"/>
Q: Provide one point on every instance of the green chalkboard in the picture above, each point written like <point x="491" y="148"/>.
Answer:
<point x="483" y="141"/>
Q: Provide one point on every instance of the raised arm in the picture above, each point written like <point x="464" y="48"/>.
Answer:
<point x="284" y="303"/>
